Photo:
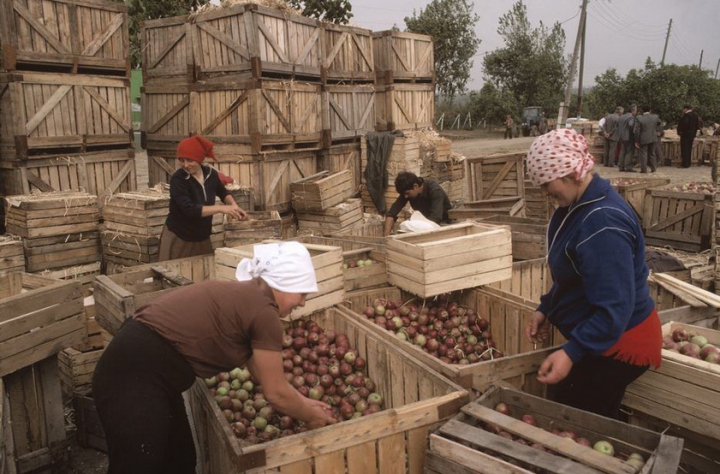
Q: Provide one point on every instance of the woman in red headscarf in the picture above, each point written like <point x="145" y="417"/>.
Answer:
<point x="599" y="300"/>
<point x="193" y="189"/>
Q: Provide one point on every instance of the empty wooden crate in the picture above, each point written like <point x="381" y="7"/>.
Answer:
<point x="450" y="258"/>
<point x="321" y="191"/>
<point x="259" y="226"/>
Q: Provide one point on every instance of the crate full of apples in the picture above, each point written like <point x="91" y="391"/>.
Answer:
<point x="385" y="402"/>
<point x="364" y="268"/>
<point x="683" y="392"/>
<point x="473" y="337"/>
<point x="506" y="430"/>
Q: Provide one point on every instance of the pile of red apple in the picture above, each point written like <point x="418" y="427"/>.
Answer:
<point x="320" y="365"/>
<point x="693" y="187"/>
<point x="444" y="329"/>
<point x="604" y="446"/>
<point x="691" y="345"/>
<point x="355" y="263"/>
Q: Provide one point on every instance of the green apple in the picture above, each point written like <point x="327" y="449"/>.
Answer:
<point x="604" y="447"/>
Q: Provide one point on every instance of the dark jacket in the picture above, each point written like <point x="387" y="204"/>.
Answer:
<point x="597" y="258"/>
<point x="689" y="124"/>
<point x="432" y="202"/>
<point x="187" y="197"/>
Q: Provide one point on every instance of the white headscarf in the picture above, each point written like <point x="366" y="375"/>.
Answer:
<point x="285" y="266"/>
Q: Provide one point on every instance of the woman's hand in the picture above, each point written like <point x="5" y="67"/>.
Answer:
<point x="555" y="367"/>
<point x="538" y="329"/>
<point x="235" y="211"/>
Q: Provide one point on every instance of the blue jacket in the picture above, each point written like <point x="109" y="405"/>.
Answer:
<point x="596" y="253"/>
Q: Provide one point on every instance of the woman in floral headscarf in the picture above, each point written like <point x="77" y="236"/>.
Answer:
<point x="600" y="300"/>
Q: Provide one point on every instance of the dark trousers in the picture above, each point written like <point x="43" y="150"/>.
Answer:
<point x="508" y="133"/>
<point x="137" y="387"/>
<point x="596" y="384"/>
<point x="686" y="145"/>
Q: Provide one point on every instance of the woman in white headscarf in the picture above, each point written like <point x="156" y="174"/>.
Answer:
<point x="600" y="300"/>
<point x="198" y="331"/>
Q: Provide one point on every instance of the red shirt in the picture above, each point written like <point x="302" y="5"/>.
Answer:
<point x="216" y="325"/>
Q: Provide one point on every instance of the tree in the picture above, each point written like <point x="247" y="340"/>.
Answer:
<point x="451" y="23"/>
<point x="491" y="105"/>
<point x="334" y="11"/>
<point x="532" y="65"/>
<point x="141" y="10"/>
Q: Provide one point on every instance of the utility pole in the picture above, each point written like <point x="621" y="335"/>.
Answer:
<point x="717" y="68"/>
<point x="582" y="68"/>
<point x="667" y="38"/>
<point x="702" y="51"/>
<point x="564" y="106"/>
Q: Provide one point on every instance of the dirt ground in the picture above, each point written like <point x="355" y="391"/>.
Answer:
<point x="471" y="144"/>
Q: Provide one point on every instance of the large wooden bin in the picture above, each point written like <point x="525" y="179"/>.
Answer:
<point x="404" y="107"/>
<point x="254" y="40"/>
<point x="167" y="53"/>
<point x="450" y="258"/>
<point x="507" y="316"/>
<point x="683" y="221"/>
<point x="390" y="441"/>
<point x="500" y="175"/>
<point x="76" y="112"/>
<point x="347" y="54"/>
<point x="321" y="191"/>
<point x="348" y="110"/>
<point x="633" y="189"/>
<point x="327" y="262"/>
<point x="70" y="35"/>
<point x="683" y="392"/>
<point x="401" y="56"/>
<point x="461" y="445"/>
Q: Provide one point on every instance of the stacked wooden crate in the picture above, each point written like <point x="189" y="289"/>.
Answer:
<point x="259" y="226"/>
<point x="322" y="203"/>
<point x="12" y="258"/>
<point x="65" y="114"/>
<point x="59" y="230"/>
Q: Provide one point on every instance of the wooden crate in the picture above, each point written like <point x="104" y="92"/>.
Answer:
<point x="69" y="35"/>
<point x="340" y="157"/>
<point x="243" y="196"/>
<point x="98" y="173"/>
<point x="450" y="258"/>
<point x="393" y="440"/>
<point x="63" y="254"/>
<point x="507" y="315"/>
<point x="496" y="176"/>
<point x="347" y="54"/>
<point x="255" y="40"/>
<point x="401" y="56"/>
<point x="346" y="242"/>
<point x="683" y="221"/>
<point x="530" y="279"/>
<point x="268" y="175"/>
<point x="77" y="368"/>
<point x="683" y="392"/>
<point x="343" y="216"/>
<point x="537" y="205"/>
<point x="365" y="277"/>
<point x="321" y="191"/>
<point x="74" y="112"/>
<point x="348" y="110"/>
<point x="404" y="156"/>
<point x="528" y="235"/>
<point x="166" y="113"/>
<point x="137" y="213"/>
<point x="40" y="317"/>
<point x="52" y="214"/>
<point x="90" y="433"/>
<point x="118" y="296"/>
<point x="167" y="54"/>
<point x="85" y="274"/>
<point x="260" y="225"/>
<point x="198" y="268"/>
<point x="455" y="189"/>
<point x="11" y="254"/>
<point x="121" y="248"/>
<point x="33" y="425"/>
<point x="288" y="225"/>
<point x="404" y="107"/>
<point x="633" y="189"/>
<point x="462" y="444"/>
<point x="327" y="262"/>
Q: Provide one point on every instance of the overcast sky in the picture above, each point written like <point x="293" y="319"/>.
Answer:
<point x="620" y="33"/>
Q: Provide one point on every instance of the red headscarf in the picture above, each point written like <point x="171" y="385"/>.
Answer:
<point x="196" y="148"/>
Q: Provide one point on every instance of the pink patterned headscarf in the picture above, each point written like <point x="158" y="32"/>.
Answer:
<point x="556" y="154"/>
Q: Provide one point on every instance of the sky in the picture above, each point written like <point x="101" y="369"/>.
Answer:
<point x="621" y="34"/>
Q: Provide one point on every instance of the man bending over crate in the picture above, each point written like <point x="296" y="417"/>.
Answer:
<point x="424" y="195"/>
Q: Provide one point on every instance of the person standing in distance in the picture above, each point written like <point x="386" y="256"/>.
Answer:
<point x="193" y="189"/>
<point x="687" y="128"/>
<point x="600" y="300"/>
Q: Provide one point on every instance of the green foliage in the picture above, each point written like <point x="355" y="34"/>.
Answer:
<point x="141" y="10"/>
<point x="334" y="11"/>
<point x="451" y="23"/>
<point x="491" y="105"/>
<point x="664" y="88"/>
<point x="532" y="65"/>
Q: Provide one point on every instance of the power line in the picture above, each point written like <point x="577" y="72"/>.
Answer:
<point x="630" y="23"/>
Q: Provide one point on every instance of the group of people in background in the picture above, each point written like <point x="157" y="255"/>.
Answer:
<point x="629" y="132"/>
